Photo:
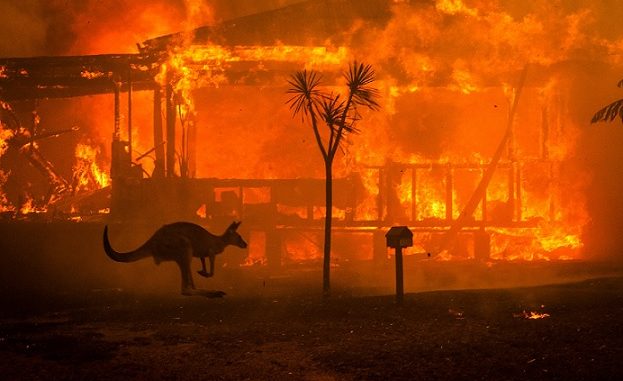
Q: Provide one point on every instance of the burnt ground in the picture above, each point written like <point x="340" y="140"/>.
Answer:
<point x="68" y="312"/>
<point x="468" y="334"/>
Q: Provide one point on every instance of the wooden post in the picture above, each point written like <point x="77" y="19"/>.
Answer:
<point x="449" y="191"/>
<point x="117" y="133"/>
<point x="191" y="143"/>
<point x="511" y="190"/>
<point x="397" y="238"/>
<point x="170" y="114"/>
<point x="130" y="114"/>
<point x="399" y="276"/>
<point x="380" y="199"/>
<point x="518" y="214"/>
<point x="158" y="137"/>
<point x="116" y="159"/>
<point x="484" y="204"/>
<point x="389" y="215"/>
<point x="413" y="194"/>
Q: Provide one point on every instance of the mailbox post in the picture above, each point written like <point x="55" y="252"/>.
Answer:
<point x="399" y="237"/>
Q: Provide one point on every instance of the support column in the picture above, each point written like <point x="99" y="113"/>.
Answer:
<point x="159" y="165"/>
<point x="130" y="114"/>
<point x="170" y="115"/>
<point x="191" y="142"/>
<point x="380" y="198"/>
<point x="413" y="194"/>
<point x="518" y="214"/>
<point x="117" y="129"/>
<point x="449" y="191"/>
<point x="116" y="147"/>
<point x="511" y="190"/>
<point x="399" y="276"/>
<point x="484" y="204"/>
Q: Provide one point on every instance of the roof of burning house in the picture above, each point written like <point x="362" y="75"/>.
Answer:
<point x="310" y="22"/>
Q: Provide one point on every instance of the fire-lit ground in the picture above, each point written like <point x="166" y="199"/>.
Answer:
<point x="71" y="313"/>
<point x="565" y="332"/>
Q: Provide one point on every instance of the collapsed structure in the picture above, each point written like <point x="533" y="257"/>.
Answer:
<point x="496" y="186"/>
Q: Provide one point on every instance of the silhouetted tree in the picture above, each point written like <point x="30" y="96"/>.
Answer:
<point x="340" y="115"/>
<point x="611" y="111"/>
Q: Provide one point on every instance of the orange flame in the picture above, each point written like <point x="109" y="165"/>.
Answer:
<point x="87" y="174"/>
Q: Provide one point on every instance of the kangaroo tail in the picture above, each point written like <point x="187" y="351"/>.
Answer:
<point x="130" y="256"/>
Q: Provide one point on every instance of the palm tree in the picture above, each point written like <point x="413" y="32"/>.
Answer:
<point x="340" y="116"/>
<point x="611" y="111"/>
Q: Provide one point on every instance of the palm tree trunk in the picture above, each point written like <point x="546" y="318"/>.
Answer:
<point x="326" y="268"/>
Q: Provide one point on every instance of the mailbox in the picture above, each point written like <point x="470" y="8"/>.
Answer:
<point x="399" y="237"/>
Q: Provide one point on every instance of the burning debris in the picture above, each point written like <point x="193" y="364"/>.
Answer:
<point x="532" y="315"/>
<point x="18" y="144"/>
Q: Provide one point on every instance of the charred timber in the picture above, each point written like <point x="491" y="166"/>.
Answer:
<point x="72" y="76"/>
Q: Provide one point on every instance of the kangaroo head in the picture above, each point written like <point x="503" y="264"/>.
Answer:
<point x="231" y="236"/>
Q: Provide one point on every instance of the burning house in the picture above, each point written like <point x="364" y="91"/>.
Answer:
<point x="473" y="147"/>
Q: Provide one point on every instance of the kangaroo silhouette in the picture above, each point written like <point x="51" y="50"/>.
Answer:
<point x="180" y="242"/>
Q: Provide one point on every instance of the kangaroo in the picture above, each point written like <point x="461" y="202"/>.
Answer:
<point x="180" y="242"/>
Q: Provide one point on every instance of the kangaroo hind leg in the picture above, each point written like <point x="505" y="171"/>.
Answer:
<point x="188" y="286"/>
<point x="203" y="271"/>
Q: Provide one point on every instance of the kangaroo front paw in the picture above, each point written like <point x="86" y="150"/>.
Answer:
<point x="204" y="273"/>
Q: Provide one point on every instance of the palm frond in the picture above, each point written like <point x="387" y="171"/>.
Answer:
<point x="331" y="109"/>
<point x="358" y="78"/>
<point x="609" y="113"/>
<point x="304" y="87"/>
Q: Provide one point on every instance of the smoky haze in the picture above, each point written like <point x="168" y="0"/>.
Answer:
<point x="59" y="27"/>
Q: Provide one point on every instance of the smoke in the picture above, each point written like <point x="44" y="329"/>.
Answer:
<point x="22" y="27"/>
<point x="68" y="27"/>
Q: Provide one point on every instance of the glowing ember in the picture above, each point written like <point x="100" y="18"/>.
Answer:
<point x="93" y="74"/>
<point x="532" y="315"/>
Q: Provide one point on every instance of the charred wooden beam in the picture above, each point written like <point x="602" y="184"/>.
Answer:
<point x="170" y="120"/>
<point x="158" y="137"/>
<point x="71" y="76"/>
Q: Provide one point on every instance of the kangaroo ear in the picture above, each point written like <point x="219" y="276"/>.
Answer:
<point x="234" y="225"/>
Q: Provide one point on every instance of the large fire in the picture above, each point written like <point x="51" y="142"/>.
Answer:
<point x="449" y="74"/>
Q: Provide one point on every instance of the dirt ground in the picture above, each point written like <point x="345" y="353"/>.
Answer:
<point x="470" y="334"/>
<point x="69" y="312"/>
